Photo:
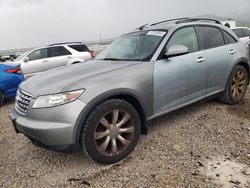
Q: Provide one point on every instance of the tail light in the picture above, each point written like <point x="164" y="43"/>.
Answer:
<point x="92" y="53"/>
<point x="15" y="70"/>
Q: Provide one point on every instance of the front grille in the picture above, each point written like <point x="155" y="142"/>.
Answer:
<point x="22" y="102"/>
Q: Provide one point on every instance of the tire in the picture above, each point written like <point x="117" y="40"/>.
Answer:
<point x="105" y="129"/>
<point x="236" y="86"/>
<point x="1" y="98"/>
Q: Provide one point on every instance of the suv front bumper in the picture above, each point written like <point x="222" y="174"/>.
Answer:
<point x="47" y="130"/>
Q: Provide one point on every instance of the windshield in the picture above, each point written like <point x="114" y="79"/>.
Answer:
<point x="22" y="55"/>
<point x="133" y="47"/>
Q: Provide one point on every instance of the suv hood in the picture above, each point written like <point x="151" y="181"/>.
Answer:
<point x="56" y="80"/>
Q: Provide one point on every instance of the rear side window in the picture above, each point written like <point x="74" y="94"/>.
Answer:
<point x="228" y="38"/>
<point x="58" y="51"/>
<point x="246" y="32"/>
<point x="238" y="32"/>
<point x="79" y="48"/>
<point x="187" y="37"/>
<point x="210" y="37"/>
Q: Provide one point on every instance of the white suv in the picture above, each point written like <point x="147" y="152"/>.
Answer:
<point x="53" y="56"/>
<point x="243" y="33"/>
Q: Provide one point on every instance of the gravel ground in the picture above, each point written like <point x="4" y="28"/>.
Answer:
<point x="203" y="145"/>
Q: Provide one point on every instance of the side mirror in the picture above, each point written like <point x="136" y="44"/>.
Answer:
<point x="176" y="50"/>
<point x="26" y="59"/>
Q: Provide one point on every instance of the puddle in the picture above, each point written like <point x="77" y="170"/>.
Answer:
<point x="228" y="173"/>
<point x="241" y="110"/>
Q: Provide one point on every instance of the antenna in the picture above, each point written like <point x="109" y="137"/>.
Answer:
<point x="141" y="27"/>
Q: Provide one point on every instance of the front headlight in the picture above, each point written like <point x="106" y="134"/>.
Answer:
<point x="57" y="99"/>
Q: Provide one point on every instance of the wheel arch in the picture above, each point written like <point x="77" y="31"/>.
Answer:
<point x="246" y="65"/>
<point x="122" y="95"/>
<point x="243" y="61"/>
<point x="139" y="107"/>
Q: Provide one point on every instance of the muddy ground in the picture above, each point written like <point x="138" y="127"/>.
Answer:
<point x="204" y="145"/>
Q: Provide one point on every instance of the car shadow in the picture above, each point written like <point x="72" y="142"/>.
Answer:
<point x="179" y="113"/>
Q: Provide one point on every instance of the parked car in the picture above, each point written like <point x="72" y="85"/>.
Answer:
<point x="5" y="58"/>
<point x="53" y="56"/>
<point x="10" y="78"/>
<point x="243" y="33"/>
<point x="103" y="106"/>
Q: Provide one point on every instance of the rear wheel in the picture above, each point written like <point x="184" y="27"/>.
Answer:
<point x="236" y="86"/>
<point x="111" y="131"/>
<point x="1" y="98"/>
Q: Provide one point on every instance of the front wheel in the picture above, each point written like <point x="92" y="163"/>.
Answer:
<point x="236" y="86"/>
<point x="111" y="131"/>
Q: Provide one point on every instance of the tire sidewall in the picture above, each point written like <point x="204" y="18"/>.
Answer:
<point x="1" y="98"/>
<point x="92" y="122"/>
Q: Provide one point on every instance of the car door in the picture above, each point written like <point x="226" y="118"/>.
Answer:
<point x="219" y="56"/>
<point x="59" y="56"/>
<point x="36" y="61"/>
<point x="182" y="79"/>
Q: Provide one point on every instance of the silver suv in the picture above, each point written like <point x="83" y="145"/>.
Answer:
<point x="53" y="56"/>
<point x="103" y="106"/>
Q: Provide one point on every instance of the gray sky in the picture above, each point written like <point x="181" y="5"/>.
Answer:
<point x="28" y="23"/>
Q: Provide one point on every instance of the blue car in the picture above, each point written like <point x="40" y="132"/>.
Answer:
<point x="10" y="78"/>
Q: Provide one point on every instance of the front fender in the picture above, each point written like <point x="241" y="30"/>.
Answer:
<point x="101" y="98"/>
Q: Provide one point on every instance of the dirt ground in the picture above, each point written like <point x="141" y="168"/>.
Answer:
<point x="204" y="145"/>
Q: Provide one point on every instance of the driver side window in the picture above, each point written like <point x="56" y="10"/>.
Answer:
<point x="187" y="37"/>
<point x="38" y="54"/>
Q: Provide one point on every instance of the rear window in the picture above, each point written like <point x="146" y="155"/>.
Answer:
<point x="238" y="32"/>
<point x="246" y="32"/>
<point x="79" y="48"/>
<point x="58" y="51"/>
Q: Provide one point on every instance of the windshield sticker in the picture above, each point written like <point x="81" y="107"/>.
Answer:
<point x="156" y="33"/>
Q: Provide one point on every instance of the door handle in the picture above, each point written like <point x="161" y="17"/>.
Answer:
<point x="200" y="59"/>
<point x="69" y="57"/>
<point x="232" y="51"/>
<point x="45" y="61"/>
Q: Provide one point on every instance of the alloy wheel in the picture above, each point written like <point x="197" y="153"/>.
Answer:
<point x="238" y="84"/>
<point x="114" y="132"/>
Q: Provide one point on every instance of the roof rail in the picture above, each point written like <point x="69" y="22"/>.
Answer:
<point x="178" y="19"/>
<point x="65" y="43"/>
<point x="156" y="23"/>
<point x="197" y="19"/>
